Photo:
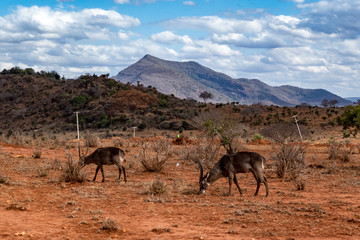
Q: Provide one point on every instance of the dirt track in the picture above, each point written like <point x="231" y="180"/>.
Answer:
<point x="43" y="207"/>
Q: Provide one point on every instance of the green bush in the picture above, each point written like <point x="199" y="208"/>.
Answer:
<point x="80" y="101"/>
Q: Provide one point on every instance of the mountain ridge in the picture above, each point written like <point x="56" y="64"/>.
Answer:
<point x="189" y="79"/>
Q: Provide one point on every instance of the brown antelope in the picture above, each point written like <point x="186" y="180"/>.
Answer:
<point x="230" y="164"/>
<point x="105" y="156"/>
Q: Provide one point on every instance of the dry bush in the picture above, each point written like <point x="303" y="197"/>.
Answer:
<point x="17" y="138"/>
<point x="207" y="150"/>
<point x="92" y="140"/>
<point x="72" y="171"/>
<point x="118" y="142"/>
<point x="154" y="155"/>
<point x="341" y="151"/>
<point x="290" y="160"/>
<point x="280" y="132"/>
<point x="42" y="171"/>
<point x="2" y="179"/>
<point x="299" y="183"/>
<point x="37" y="153"/>
<point x="110" y="225"/>
<point x="157" y="187"/>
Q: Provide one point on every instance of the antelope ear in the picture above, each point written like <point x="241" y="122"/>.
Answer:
<point x="207" y="175"/>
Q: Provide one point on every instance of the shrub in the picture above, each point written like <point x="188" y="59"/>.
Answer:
<point x="257" y="136"/>
<point x="71" y="171"/>
<point x="341" y="151"/>
<point x="152" y="163"/>
<point x="2" y="179"/>
<point x="92" y="140"/>
<point x="110" y="225"/>
<point x="290" y="160"/>
<point x="42" y="171"/>
<point x="206" y="150"/>
<point x="36" y="153"/>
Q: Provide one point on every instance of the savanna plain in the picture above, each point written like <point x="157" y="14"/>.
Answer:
<point x="322" y="202"/>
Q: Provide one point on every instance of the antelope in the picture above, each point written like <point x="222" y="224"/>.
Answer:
<point x="230" y="164"/>
<point x="105" y="156"/>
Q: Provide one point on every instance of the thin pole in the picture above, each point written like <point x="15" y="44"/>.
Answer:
<point x="78" y="132"/>
<point x="77" y="125"/>
<point x="134" y="131"/>
<point x="296" y="121"/>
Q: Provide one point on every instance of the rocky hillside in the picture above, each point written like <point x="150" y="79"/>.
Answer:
<point x="189" y="79"/>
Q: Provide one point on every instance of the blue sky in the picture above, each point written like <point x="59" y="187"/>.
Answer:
<point x="309" y="44"/>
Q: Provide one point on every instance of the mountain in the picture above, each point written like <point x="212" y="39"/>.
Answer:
<point x="189" y="79"/>
<point x="353" y="99"/>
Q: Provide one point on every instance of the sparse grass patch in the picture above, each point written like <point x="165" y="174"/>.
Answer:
<point x="72" y="171"/>
<point x="110" y="225"/>
<point x="157" y="187"/>
<point x="42" y="171"/>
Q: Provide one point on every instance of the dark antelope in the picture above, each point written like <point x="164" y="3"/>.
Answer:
<point x="230" y="164"/>
<point x="105" y="156"/>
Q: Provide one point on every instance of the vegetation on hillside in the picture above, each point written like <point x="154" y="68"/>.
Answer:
<point x="44" y="100"/>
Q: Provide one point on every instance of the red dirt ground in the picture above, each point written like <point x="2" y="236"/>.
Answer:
<point x="34" y="206"/>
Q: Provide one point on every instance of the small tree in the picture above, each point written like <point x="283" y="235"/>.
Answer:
<point x="350" y="119"/>
<point x="325" y="103"/>
<point x="333" y="102"/>
<point x="217" y="124"/>
<point x="205" y="95"/>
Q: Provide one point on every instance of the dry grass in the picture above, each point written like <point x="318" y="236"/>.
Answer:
<point x="72" y="171"/>
<point x="157" y="187"/>
<point x="110" y="225"/>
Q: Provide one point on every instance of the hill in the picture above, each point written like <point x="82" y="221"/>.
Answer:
<point x="189" y="79"/>
<point x="31" y="101"/>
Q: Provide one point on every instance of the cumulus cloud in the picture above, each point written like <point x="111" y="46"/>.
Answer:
<point x="36" y="23"/>
<point x="216" y="24"/>
<point x="339" y="17"/>
<point x="169" y="37"/>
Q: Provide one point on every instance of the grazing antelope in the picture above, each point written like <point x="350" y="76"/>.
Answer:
<point x="105" y="156"/>
<point x="230" y="164"/>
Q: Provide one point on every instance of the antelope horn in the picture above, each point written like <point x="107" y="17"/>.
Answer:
<point x="201" y="170"/>
<point x="87" y="149"/>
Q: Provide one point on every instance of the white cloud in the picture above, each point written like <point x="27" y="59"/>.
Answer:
<point x="189" y="3"/>
<point x="216" y="24"/>
<point x="122" y="1"/>
<point x="169" y="37"/>
<point x="36" y="23"/>
<point x="339" y="17"/>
